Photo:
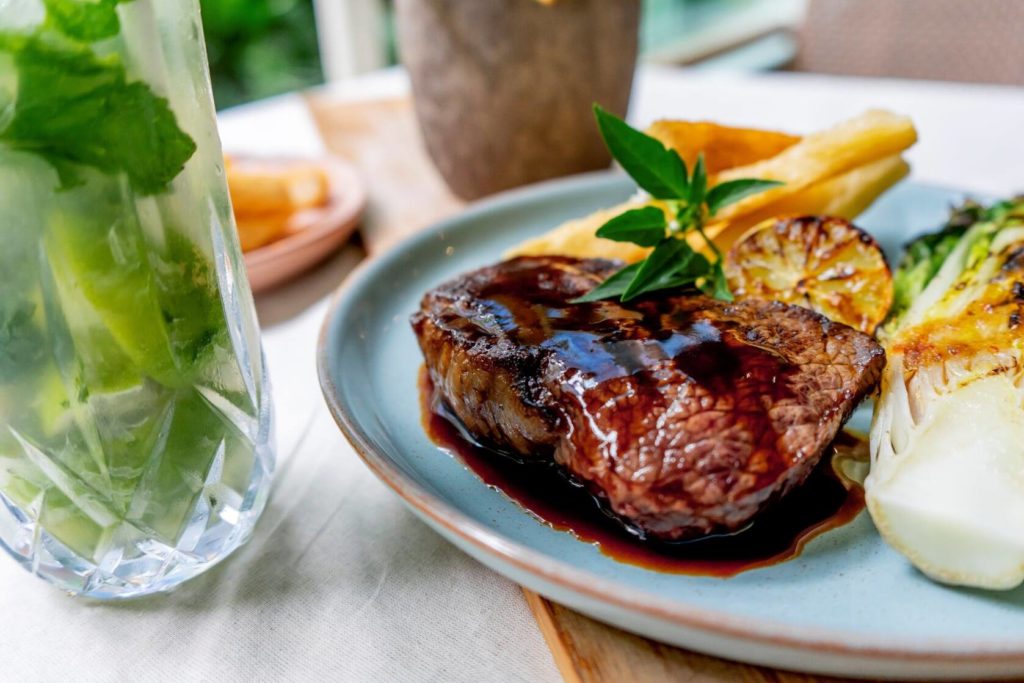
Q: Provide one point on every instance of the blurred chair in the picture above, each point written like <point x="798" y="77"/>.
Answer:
<point x="952" y="40"/>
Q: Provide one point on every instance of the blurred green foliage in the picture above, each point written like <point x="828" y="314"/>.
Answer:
<point x="260" y="48"/>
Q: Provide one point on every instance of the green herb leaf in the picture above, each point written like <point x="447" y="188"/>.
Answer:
<point x="716" y="285"/>
<point x="653" y="166"/>
<point x="85" y="21"/>
<point x="77" y="109"/>
<point x="645" y="227"/>
<point x="672" y="263"/>
<point x="682" y="274"/>
<point x="614" y="286"/>
<point x="659" y="265"/>
<point x="698" y="181"/>
<point x="721" y="196"/>
<point x="22" y="346"/>
<point x="691" y="268"/>
<point x="695" y="266"/>
<point x="708" y="241"/>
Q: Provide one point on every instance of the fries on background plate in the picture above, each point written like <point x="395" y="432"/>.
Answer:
<point x="267" y="194"/>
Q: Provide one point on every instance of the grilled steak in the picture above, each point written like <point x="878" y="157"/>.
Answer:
<point x="685" y="415"/>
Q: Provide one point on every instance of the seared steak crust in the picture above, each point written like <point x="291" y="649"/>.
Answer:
<point x="685" y="414"/>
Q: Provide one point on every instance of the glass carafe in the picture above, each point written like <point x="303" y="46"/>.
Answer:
<point x="135" y="419"/>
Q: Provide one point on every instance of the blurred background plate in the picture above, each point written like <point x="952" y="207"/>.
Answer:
<point x="314" y="233"/>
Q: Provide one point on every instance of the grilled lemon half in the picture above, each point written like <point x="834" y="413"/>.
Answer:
<point x="822" y="263"/>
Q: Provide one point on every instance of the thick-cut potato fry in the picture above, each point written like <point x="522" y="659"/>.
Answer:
<point x="839" y="171"/>
<point x="254" y="191"/>
<point x="576" y="238"/>
<point x="724" y="147"/>
<point x="852" y="193"/>
<point x="845" y="196"/>
<point x="265" y="187"/>
<point x="873" y="135"/>
<point x="257" y="231"/>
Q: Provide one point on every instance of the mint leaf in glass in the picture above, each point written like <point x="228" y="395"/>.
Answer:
<point x="22" y="345"/>
<point x="77" y="109"/>
<point x="86" y="21"/>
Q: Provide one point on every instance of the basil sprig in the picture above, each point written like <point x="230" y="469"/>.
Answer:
<point x="688" y="203"/>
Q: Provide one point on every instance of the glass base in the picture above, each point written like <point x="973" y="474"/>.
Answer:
<point x="147" y="568"/>
<point x="134" y="561"/>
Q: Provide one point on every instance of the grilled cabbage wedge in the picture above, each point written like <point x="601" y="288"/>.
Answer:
<point x="946" y="486"/>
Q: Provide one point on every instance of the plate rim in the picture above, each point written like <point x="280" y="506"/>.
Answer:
<point x="771" y="633"/>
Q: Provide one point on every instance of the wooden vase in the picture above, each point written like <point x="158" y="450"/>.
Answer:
<point x="504" y="89"/>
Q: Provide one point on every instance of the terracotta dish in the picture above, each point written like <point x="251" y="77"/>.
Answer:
<point x="313" y="234"/>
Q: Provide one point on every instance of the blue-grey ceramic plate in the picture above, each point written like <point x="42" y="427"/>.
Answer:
<point x="847" y="605"/>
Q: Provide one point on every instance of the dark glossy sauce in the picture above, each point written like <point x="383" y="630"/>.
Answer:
<point x="825" y="501"/>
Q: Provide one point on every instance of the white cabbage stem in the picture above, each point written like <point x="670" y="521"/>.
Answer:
<point x="947" y="490"/>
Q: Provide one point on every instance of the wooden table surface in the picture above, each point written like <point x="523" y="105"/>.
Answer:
<point x="406" y="195"/>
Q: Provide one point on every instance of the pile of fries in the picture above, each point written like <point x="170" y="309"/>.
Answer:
<point x="836" y="172"/>
<point x="267" y="196"/>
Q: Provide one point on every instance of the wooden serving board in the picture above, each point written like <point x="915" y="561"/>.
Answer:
<point x="406" y="194"/>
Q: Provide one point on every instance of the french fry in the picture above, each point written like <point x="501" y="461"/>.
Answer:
<point x="576" y="238"/>
<point x="873" y="135"/>
<point x="845" y="196"/>
<point x="255" y="192"/>
<point x="307" y="186"/>
<point x="839" y="171"/>
<point x="264" y="187"/>
<point x="257" y="231"/>
<point x="724" y="147"/>
<point x="850" y="194"/>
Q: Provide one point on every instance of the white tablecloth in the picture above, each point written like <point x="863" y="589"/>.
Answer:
<point x="342" y="583"/>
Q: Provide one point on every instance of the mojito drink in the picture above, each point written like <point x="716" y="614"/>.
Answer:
<point x="134" y="416"/>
